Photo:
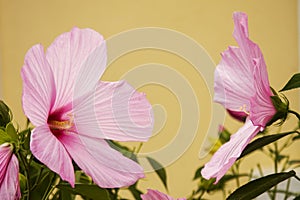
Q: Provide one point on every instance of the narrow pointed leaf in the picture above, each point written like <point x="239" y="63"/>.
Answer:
<point x="198" y="173"/>
<point x="259" y="186"/>
<point x="136" y="193"/>
<point x="293" y="83"/>
<point x="89" y="191"/>
<point x="263" y="141"/>
<point x="160" y="171"/>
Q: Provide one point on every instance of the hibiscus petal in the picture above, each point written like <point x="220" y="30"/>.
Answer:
<point x="48" y="149"/>
<point x="154" y="194"/>
<point x="38" y="86"/>
<point x="233" y="84"/>
<point x="225" y="157"/>
<point x="107" y="167"/>
<point x="9" y="173"/>
<point x="240" y="116"/>
<point x="262" y="109"/>
<point x="77" y="59"/>
<point x="248" y="48"/>
<point x="10" y="186"/>
<point x="115" y="111"/>
<point x="5" y="155"/>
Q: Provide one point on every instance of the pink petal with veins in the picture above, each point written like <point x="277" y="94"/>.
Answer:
<point x="9" y="174"/>
<point x="227" y="154"/>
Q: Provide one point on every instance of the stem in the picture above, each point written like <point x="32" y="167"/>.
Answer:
<point x="289" y="193"/>
<point x="37" y="179"/>
<point x="297" y="177"/>
<point x="287" y="189"/>
<point x="294" y="113"/>
<point x="275" y="167"/>
<point x="26" y="172"/>
<point x="139" y="147"/>
<point x="237" y="174"/>
<point x="262" y="174"/>
<point x="51" y="186"/>
<point x="201" y="194"/>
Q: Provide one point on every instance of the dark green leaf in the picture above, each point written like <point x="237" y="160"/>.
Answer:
<point x="160" y="171"/>
<point x="296" y="138"/>
<point x="135" y="192"/>
<point x="90" y="191"/>
<point x="198" y="173"/>
<point x="293" y="83"/>
<point x="259" y="186"/>
<point x="63" y="195"/>
<point x="263" y="141"/>
<point x="293" y="162"/>
<point x="43" y="186"/>
<point x="209" y="185"/>
<point x="297" y="198"/>
<point x="26" y="135"/>
<point x="5" y="114"/>
<point x="122" y="149"/>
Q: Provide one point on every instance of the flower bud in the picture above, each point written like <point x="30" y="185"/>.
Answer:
<point x="281" y="107"/>
<point x="5" y="116"/>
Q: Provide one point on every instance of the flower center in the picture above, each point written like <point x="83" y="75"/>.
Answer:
<point x="244" y="109"/>
<point x="61" y="124"/>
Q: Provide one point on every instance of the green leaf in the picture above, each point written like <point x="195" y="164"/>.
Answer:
<point x="209" y="185"/>
<point x="259" y="186"/>
<point x="86" y="190"/>
<point x="297" y="198"/>
<point x="4" y="137"/>
<point x="198" y="173"/>
<point x="293" y="162"/>
<point x="296" y="138"/>
<point x="293" y="83"/>
<point x="263" y="141"/>
<point x="122" y="149"/>
<point x="159" y="169"/>
<point x="5" y="114"/>
<point x="11" y="131"/>
<point x="135" y="192"/>
<point x="65" y="195"/>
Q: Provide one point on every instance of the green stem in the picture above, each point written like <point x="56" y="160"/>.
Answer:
<point x="297" y="177"/>
<point x="289" y="193"/>
<point x="201" y="194"/>
<point x="294" y="113"/>
<point x="237" y="174"/>
<point x="38" y="179"/>
<point x="26" y="172"/>
<point x="51" y="187"/>
<point x="139" y="147"/>
<point x="275" y="167"/>
<point x="287" y="189"/>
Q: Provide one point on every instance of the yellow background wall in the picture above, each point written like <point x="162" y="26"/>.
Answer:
<point x="272" y="24"/>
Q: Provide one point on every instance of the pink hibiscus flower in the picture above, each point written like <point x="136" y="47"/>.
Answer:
<point x="156" y="195"/>
<point x="242" y="87"/>
<point x="74" y="113"/>
<point x="9" y="173"/>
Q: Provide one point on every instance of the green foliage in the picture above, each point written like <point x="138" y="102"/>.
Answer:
<point x="87" y="191"/>
<point x="257" y="187"/>
<point x="5" y="114"/>
<point x="160" y="170"/>
<point x="4" y="137"/>
<point x="263" y="141"/>
<point x="12" y="132"/>
<point x="293" y="83"/>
